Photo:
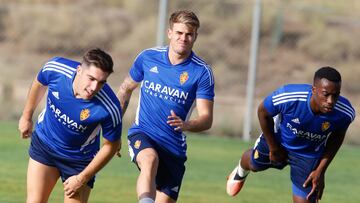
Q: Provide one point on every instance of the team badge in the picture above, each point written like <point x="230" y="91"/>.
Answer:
<point x="256" y="154"/>
<point x="325" y="126"/>
<point x="184" y="77"/>
<point x="137" y="144"/>
<point x="84" y="114"/>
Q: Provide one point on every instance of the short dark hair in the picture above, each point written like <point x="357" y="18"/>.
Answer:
<point x="99" y="59"/>
<point x="184" y="16"/>
<point x="328" y="73"/>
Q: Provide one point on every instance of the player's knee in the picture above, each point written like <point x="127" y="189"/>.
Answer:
<point x="35" y="199"/>
<point x="253" y="169"/>
<point x="148" y="160"/>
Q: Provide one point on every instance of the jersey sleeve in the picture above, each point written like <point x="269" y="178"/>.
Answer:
<point x="110" y="131"/>
<point x="112" y="124"/>
<point x="345" y="109"/>
<point x="136" y="71"/>
<point x="44" y="76"/>
<point x="206" y="85"/>
<point x="272" y="107"/>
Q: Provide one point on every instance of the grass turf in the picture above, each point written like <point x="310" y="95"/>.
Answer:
<point x="210" y="159"/>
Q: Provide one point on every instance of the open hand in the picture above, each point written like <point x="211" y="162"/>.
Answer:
<point x="177" y="122"/>
<point x="317" y="180"/>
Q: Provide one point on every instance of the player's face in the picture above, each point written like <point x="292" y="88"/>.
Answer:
<point x="90" y="80"/>
<point x="182" y="38"/>
<point x="325" y="95"/>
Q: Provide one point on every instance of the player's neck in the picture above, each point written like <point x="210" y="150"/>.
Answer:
<point x="314" y="108"/>
<point x="74" y="87"/>
<point x="176" y="58"/>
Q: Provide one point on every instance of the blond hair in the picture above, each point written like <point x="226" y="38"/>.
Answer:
<point x="186" y="17"/>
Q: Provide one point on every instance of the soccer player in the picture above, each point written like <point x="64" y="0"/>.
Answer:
<point x="66" y="140"/>
<point x="173" y="79"/>
<point x="303" y="127"/>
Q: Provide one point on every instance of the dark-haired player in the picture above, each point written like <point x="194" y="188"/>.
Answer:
<point x="303" y="127"/>
<point x="66" y="141"/>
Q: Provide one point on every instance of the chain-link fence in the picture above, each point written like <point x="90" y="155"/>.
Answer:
<point x="296" y="38"/>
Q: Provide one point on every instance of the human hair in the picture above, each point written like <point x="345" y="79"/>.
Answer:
<point x="186" y="17"/>
<point x="99" y="59"/>
<point x="328" y="73"/>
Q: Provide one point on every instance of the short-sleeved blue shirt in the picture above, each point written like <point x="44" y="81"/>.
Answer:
<point x="69" y="125"/>
<point x="300" y="130"/>
<point x="166" y="87"/>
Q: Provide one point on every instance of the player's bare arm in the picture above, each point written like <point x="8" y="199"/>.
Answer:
<point x="317" y="177"/>
<point x="106" y="152"/>
<point x="36" y="93"/>
<point x="277" y="153"/>
<point x="125" y="91"/>
<point x="202" y="122"/>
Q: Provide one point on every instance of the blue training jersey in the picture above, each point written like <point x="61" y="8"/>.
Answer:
<point x="71" y="126"/>
<point x="300" y="130"/>
<point x="166" y="87"/>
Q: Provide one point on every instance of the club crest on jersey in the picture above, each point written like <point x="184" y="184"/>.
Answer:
<point x="84" y="114"/>
<point x="256" y="154"/>
<point x="137" y="144"/>
<point x="325" y="125"/>
<point x="184" y="77"/>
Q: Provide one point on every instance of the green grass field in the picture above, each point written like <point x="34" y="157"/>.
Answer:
<point x="210" y="159"/>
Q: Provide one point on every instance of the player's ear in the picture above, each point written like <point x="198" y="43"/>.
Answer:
<point x="169" y="31"/>
<point x="313" y="90"/>
<point x="78" y="69"/>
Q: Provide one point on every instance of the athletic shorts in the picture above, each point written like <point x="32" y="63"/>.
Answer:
<point x="300" y="167"/>
<point x="42" y="153"/>
<point x="171" y="168"/>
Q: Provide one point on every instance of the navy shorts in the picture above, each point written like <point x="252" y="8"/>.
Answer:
<point x="300" y="167"/>
<point x="171" y="168"/>
<point x="42" y="153"/>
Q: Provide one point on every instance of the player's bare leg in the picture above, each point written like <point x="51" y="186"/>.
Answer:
<point x="237" y="177"/>
<point x="41" y="180"/>
<point x="163" y="198"/>
<point x="81" y="196"/>
<point x="148" y="162"/>
<point x="245" y="162"/>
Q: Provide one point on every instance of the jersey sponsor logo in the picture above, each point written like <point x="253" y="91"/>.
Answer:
<point x="154" y="69"/>
<point x="137" y="144"/>
<point x="296" y="120"/>
<point x="84" y="114"/>
<point x="184" y="77"/>
<point x="65" y="119"/>
<point x="325" y="125"/>
<point x="306" y="135"/>
<point x="165" y="92"/>
<point x="56" y="95"/>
